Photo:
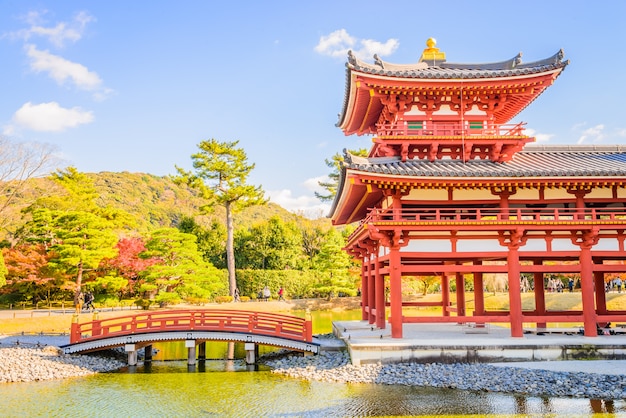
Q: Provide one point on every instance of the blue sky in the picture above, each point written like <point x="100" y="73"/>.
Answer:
<point x="136" y="85"/>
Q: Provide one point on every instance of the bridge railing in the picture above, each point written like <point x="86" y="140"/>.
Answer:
<point x="225" y="320"/>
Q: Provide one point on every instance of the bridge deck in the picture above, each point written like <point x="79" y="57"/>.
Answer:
<point x="202" y="325"/>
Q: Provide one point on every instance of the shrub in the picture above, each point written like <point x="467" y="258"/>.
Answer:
<point x="196" y="301"/>
<point x="167" y="298"/>
<point x="223" y="299"/>
<point x="143" y="303"/>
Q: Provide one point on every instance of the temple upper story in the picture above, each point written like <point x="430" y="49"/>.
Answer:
<point x="435" y="109"/>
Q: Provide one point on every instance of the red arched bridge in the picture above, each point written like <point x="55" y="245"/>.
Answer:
<point x="195" y="327"/>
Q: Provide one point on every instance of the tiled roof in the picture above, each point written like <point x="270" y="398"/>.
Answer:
<point x="446" y="70"/>
<point x="533" y="161"/>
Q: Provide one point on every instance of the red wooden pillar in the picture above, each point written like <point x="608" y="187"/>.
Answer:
<point x="379" y="292"/>
<point x="540" y="294"/>
<point x="598" y="279"/>
<point x="479" y="292"/>
<point x="460" y="294"/>
<point x="515" y="292"/>
<point x="365" y="276"/>
<point x="445" y="294"/>
<point x="586" y="284"/>
<point x="371" y="286"/>
<point x="395" y="289"/>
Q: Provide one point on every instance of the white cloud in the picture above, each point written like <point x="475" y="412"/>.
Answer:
<point x="50" y="117"/>
<point x="308" y="206"/>
<point x="539" y="137"/>
<point x="58" y="34"/>
<point x="339" y="42"/>
<point x="593" y="134"/>
<point x="62" y="70"/>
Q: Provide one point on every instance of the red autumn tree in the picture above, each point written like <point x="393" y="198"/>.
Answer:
<point x="127" y="263"/>
<point x="29" y="275"/>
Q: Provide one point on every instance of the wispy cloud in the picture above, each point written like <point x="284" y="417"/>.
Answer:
<point x="62" y="70"/>
<point x="58" y="34"/>
<point x="593" y="134"/>
<point x="541" y="138"/>
<point x="339" y="42"/>
<point x="306" y="205"/>
<point x="48" y="117"/>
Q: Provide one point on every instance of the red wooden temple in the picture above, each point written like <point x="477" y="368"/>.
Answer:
<point x="452" y="189"/>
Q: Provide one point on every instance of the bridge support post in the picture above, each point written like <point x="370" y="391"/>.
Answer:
<point x="202" y="351"/>
<point x="131" y="349"/>
<point x="252" y="352"/>
<point x="191" y="352"/>
<point x="147" y="353"/>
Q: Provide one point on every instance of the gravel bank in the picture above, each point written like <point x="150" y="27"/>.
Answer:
<point x="24" y="360"/>
<point x="336" y="367"/>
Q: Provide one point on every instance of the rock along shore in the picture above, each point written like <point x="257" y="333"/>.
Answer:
<point x="20" y="364"/>
<point x="336" y="367"/>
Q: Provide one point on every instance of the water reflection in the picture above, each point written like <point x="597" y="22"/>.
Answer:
<point x="229" y="388"/>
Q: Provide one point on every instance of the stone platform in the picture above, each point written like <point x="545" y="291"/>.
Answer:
<point x="452" y="343"/>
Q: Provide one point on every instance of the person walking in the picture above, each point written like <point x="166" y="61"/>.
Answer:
<point x="266" y="293"/>
<point x="88" y="301"/>
<point x="281" y="292"/>
<point x="78" y="300"/>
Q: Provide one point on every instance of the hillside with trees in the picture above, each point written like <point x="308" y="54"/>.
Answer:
<point x="149" y="239"/>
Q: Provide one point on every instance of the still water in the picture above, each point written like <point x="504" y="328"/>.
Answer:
<point x="229" y="388"/>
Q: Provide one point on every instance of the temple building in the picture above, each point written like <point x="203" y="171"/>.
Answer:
<point x="452" y="188"/>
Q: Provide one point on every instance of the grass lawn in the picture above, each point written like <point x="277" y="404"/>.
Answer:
<point x="27" y="321"/>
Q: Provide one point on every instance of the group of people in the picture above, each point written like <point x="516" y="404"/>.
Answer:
<point x="83" y="301"/>
<point x="263" y="295"/>
<point x="615" y="285"/>
<point x="266" y="294"/>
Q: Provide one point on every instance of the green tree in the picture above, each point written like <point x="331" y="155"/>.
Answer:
<point x="335" y="163"/>
<point x="220" y="173"/>
<point x="270" y="245"/>
<point x="72" y="224"/>
<point x="180" y="268"/>
<point x="3" y="270"/>
<point x="211" y="241"/>
<point x="334" y="266"/>
<point x="84" y="240"/>
<point x="312" y="239"/>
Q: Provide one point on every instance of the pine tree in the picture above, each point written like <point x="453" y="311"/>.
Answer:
<point x="220" y="173"/>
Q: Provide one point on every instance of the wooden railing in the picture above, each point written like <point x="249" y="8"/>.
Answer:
<point x="405" y="128"/>
<point x="261" y="323"/>
<point x="497" y="214"/>
<point x="493" y="216"/>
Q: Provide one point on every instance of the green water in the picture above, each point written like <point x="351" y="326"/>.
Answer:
<point x="230" y="388"/>
<point x="168" y="389"/>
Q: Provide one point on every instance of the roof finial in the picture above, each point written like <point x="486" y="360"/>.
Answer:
<point x="431" y="54"/>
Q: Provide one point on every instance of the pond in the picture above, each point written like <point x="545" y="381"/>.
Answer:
<point x="230" y="388"/>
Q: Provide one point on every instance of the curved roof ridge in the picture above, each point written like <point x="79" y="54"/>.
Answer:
<point x="423" y="69"/>
<point x="502" y="65"/>
<point x="574" y="148"/>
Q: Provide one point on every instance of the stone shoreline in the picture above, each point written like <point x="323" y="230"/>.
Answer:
<point x="336" y="367"/>
<point x="19" y="364"/>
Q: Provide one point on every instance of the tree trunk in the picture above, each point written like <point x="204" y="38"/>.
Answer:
<point x="230" y="251"/>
